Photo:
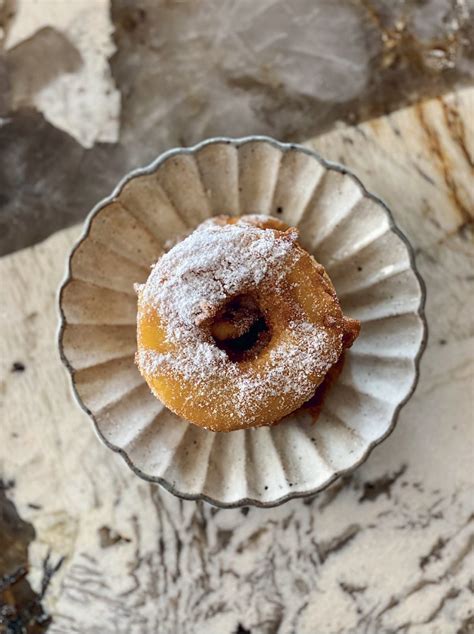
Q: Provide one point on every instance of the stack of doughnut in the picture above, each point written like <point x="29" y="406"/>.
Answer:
<point x="238" y="325"/>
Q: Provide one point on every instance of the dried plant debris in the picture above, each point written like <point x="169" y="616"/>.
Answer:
<point x="21" y="610"/>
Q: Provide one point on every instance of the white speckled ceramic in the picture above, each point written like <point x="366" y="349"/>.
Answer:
<point x="349" y="231"/>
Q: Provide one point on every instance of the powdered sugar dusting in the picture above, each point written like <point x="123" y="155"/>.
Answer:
<point x="193" y="281"/>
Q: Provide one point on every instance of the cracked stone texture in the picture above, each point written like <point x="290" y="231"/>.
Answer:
<point x="92" y="88"/>
<point x="86" y="95"/>
<point x="388" y="549"/>
<point x="81" y="99"/>
<point x="20" y="607"/>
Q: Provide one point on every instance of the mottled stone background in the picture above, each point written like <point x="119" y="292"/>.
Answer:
<point x="90" y="90"/>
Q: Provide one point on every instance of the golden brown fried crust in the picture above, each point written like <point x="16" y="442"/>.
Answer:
<point x="305" y="290"/>
<point x="351" y="331"/>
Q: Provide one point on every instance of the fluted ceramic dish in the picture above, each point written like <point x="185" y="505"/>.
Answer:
<point x="347" y="229"/>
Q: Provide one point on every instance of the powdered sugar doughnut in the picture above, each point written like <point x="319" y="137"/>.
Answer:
<point x="301" y="329"/>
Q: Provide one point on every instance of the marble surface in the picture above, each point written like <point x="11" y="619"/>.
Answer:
<point x="388" y="549"/>
<point x="91" y="88"/>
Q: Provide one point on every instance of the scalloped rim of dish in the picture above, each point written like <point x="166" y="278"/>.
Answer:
<point x="150" y="169"/>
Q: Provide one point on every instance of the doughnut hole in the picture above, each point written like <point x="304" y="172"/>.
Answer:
<point x="240" y="328"/>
